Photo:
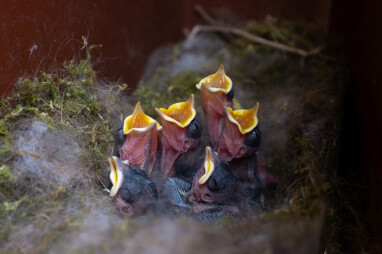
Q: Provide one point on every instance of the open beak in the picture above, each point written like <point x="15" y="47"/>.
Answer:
<point x="116" y="174"/>
<point x="238" y="123"/>
<point x="141" y="140"/>
<point x="245" y="119"/>
<point x="138" y="122"/>
<point x="209" y="165"/>
<point x="181" y="113"/>
<point x="214" y="94"/>
<point x="218" y="82"/>
<point x="175" y="141"/>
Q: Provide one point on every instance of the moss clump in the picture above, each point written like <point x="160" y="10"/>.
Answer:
<point x="298" y="34"/>
<point x="69" y="99"/>
<point x="178" y="88"/>
<point x="5" y="174"/>
<point x="14" y="212"/>
<point x="183" y="83"/>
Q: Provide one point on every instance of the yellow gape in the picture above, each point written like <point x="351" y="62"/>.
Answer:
<point x="181" y="113"/>
<point x="245" y="119"/>
<point x="217" y="82"/>
<point x="138" y="121"/>
<point x="116" y="176"/>
<point x="209" y="166"/>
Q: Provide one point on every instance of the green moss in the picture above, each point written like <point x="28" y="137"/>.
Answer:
<point x="183" y="83"/>
<point x="69" y="100"/>
<point x="13" y="212"/>
<point x="179" y="88"/>
<point x="307" y="170"/>
<point x="5" y="174"/>
<point x="308" y="183"/>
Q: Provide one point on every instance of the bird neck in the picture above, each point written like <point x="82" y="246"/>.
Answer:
<point x="214" y="126"/>
<point x="169" y="156"/>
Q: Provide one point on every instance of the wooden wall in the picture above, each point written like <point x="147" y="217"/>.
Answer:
<point x="40" y="35"/>
<point x="357" y="25"/>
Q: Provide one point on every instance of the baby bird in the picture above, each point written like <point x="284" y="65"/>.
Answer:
<point x="214" y="186"/>
<point x="139" y="140"/>
<point x="133" y="192"/>
<point x="215" y="92"/>
<point x="240" y="135"/>
<point x="181" y="132"/>
<point x="238" y="144"/>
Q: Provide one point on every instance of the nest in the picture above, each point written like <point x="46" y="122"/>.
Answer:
<point x="56" y="132"/>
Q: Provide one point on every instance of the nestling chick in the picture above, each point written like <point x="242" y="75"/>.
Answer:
<point x="181" y="132"/>
<point x="214" y="186"/>
<point x="238" y="144"/>
<point x="133" y="192"/>
<point x="215" y="92"/>
<point x="140" y="140"/>
<point x="240" y="135"/>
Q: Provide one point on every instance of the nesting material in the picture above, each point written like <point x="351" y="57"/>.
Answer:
<point x="49" y="156"/>
<point x="69" y="122"/>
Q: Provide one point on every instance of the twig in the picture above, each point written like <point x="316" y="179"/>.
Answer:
<point x="275" y="30"/>
<point x="99" y="115"/>
<point x="27" y="153"/>
<point x="231" y="30"/>
<point x="210" y="20"/>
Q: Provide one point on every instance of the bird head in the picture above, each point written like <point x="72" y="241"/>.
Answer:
<point x="240" y="136"/>
<point x="214" y="184"/>
<point x="133" y="192"/>
<point x="215" y="92"/>
<point x="140" y="140"/>
<point x="181" y="131"/>
<point x="218" y="84"/>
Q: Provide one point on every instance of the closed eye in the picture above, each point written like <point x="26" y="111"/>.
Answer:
<point x="195" y="129"/>
<point x="213" y="184"/>
<point x="253" y="138"/>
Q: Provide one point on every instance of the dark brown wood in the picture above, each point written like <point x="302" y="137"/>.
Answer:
<point x="40" y="35"/>
<point x="357" y="25"/>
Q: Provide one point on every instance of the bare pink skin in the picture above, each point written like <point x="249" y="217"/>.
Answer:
<point x="122" y="206"/>
<point x="204" y="199"/>
<point x="174" y="143"/>
<point x="139" y="207"/>
<point x="231" y="142"/>
<point x="200" y="192"/>
<point x="213" y="106"/>
<point x="142" y="149"/>
<point x="200" y="207"/>
<point x="231" y="147"/>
